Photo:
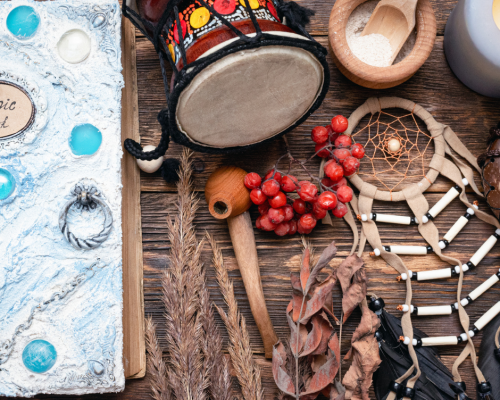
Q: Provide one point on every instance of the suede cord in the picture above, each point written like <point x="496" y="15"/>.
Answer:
<point x="446" y="143"/>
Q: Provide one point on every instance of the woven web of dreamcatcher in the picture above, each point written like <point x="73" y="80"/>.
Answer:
<point x="393" y="170"/>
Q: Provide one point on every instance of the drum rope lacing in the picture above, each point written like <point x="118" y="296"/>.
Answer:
<point x="296" y="18"/>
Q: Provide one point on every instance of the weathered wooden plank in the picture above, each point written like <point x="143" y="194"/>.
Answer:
<point x="434" y="87"/>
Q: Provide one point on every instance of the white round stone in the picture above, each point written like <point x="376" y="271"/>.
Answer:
<point x="150" y="166"/>
<point x="74" y="46"/>
<point x="393" y="145"/>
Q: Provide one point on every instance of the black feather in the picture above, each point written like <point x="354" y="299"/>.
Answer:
<point x="435" y="380"/>
<point x="488" y="363"/>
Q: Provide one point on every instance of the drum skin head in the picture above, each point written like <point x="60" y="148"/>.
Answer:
<point x="249" y="96"/>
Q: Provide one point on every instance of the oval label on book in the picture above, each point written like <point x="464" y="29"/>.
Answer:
<point x="17" y="111"/>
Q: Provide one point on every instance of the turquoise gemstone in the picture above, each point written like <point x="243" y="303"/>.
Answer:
<point x="23" y="22"/>
<point x="7" y="184"/>
<point x="85" y="140"/>
<point x="39" y="356"/>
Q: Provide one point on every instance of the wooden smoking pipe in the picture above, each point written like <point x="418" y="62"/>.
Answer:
<point x="228" y="198"/>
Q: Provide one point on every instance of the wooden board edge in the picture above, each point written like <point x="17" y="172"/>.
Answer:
<point x="134" y="348"/>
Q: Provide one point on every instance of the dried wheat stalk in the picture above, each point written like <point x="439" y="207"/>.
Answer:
<point x="196" y="366"/>
<point x="157" y="369"/>
<point x="247" y="371"/>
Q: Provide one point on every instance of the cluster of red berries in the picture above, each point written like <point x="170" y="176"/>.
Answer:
<point x="286" y="215"/>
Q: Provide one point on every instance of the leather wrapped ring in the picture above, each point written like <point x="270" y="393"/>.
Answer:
<point x="86" y="197"/>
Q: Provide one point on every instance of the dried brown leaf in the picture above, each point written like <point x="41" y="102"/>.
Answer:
<point x="297" y="340"/>
<point x="326" y="334"/>
<point x="323" y="261"/>
<point x="314" y="337"/>
<point x="334" y="345"/>
<point x="354" y="294"/>
<point x="317" y="301"/>
<point x="323" y="377"/>
<point x="347" y="269"/>
<point x="297" y="296"/>
<point x="305" y="269"/>
<point x="281" y="377"/>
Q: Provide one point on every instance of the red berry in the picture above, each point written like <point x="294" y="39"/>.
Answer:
<point x="332" y="135"/>
<point x="264" y="208"/>
<point x="307" y="191"/>
<point x="288" y="209"/>
<point x="327" y="200"/>
<point x="278" y="201"/>
<point x="307" y="221"/>
<point x="350" y="165"/>
<point x="319" y="134"/>
<point x="325" y="153"/>
<point x="337" y="185"/>
<point x="340" y="210"/>
<point x="257" y="222"/>
<point x="318" y="212"/>
<point x="266" y="224"/>
<point x="327" y="182"/>
<point x="276" y="215"/>
<point x="299" y="206"/>
<point x="269" y="175"/>
<point x="333" y="170"/>
<point x="270" y="188"/>
<point x="343" y="141"/>
<point x="282" y="229"/>
<point x="358" y="151"/>
<point x="257" y="197"/>
<point x="302" y="230"/>
<point x="344" y="194"/>
<point x="288" y="183"/>
<point x="339" y="124"/>
<point x="341" y="154"/>
<point x="293" y="227"/>
<point x="252" y="181"/>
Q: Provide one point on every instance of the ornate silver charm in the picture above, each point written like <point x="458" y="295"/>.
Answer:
<point x="86" y="197"/>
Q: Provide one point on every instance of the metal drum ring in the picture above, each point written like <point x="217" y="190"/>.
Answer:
<point x="86" y="197"/>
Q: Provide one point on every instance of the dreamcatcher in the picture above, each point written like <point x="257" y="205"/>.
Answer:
<point x="399" y="166"/>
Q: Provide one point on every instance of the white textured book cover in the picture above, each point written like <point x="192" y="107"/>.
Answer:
<point x="60" y="198"/>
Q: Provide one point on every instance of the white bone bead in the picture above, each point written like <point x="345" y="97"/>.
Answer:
<point x="404" y="276"/>
<point x="392" y="219"/>
<point x="150" y="166"/>
<point x="483" y="287"/>
<point x="364" y="218"/>
<point x="407" y="340"/>
<point x="425" y="219"/>
<point x="443" y="202"/>
<point x="465" y="181"/>
<point x="434" y="274"/>
<point x="434" y="310"/>
<point x="471" y="333"/>
<point x="483" y="250"/>
<point x="409" y="250"/>
<point x="456" y="228"/>
<point x="463" y="336"/>
<point x="465" y="268"/>
<point x="488" y="316"/>
<point x="407" y="308"/>
<point x="439" y="341"/>
<point x="464" y="302"/>
<point x="442" y="245"/>
<point x="376" y="252"/>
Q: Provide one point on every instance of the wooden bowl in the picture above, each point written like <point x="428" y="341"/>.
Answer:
<point x="380" y="77"/>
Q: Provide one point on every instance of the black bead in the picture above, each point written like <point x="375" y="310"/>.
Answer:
<point x="459" y="339"/>
<point x="387" y="248"/>
<point x="470" y="265"/>
<point x="475" y="330"/>
<point x="408" y="392"/>
<point x="377" y="304"/>
<point x="457" y="188"/>
<point x="484" y="387"/>
<point x="461" y="385"/>
<point x="413" y="221"/>
<point x="414" y="275"/>
<point x="429" y="216"/>
<point x="430" y="249"/>
<point x="446" y="243"/>
<point x="419" y="344"/>
<point x="379" y="336"/>
<point x="496" y="235"/>
<point x="396" y="388"/>
<point x="469" y="299"/>
<point x="453" y="308"/>
<point x="496" y="352"/>
<point x="453" y="272"/>
<point x="468" y="216"/>
<point x="374" y="216"/>
<point x="415" y="310"/>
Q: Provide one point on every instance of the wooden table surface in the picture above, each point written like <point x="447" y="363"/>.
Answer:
<point x="435" y="88"/>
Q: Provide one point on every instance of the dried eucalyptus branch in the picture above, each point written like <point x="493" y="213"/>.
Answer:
<point x="196" y="367"/>
<point x="247" y="371"/>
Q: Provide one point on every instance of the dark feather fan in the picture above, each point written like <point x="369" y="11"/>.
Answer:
<point x="489" y="362"/>
<point x="436" y="381"/>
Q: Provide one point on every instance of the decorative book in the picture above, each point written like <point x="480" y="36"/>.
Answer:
<point x="60" y="198"/>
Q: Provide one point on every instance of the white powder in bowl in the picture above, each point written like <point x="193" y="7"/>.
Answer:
<point x="374" y="49"/>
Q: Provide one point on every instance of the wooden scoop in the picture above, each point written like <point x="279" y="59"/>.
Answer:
<point x="228" y="198"/>
<point x="394" y="19"/>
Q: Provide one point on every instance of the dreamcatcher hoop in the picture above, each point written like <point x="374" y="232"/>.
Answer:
<point x="374" y="105"/>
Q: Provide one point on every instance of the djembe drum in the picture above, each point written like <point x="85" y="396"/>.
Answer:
<point x="240" y="76"/>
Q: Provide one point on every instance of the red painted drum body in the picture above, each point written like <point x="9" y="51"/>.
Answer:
<point x="240" y="76"/>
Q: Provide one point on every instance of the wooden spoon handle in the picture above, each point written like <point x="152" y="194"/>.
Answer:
<point x="241" y="231"/>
